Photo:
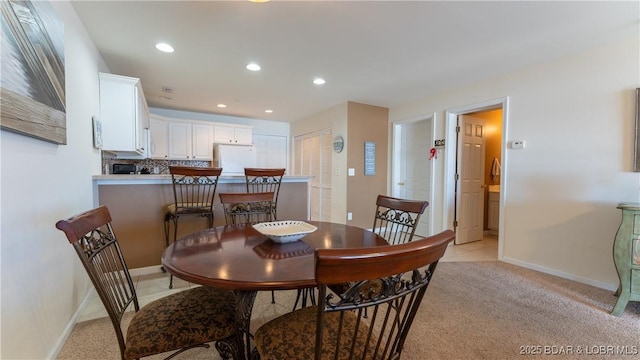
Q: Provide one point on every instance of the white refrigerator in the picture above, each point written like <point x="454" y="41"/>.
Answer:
<point x="234" y="158"/>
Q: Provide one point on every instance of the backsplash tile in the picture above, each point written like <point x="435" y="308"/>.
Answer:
<point x="162" y="166"/>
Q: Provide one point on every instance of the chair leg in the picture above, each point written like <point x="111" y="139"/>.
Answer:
<point x="273" y="297"/>
<point x="302" y="296"/>
<point x="168" y="218"/>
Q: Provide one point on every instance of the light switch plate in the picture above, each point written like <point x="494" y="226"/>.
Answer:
<point x="352" y="172"/>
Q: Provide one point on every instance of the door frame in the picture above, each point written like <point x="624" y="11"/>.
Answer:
<point x="451" y="118"/>
<point x="395" y="162"/>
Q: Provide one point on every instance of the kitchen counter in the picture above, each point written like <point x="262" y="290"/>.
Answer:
<point x="137" y="204"/>
<point x="141" y="179"/>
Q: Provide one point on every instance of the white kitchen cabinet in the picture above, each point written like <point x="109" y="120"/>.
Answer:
<point x="190" y="141"/>
<point x="493" y="218"/>
<point x="124" y="116"/>
<point x="202" y="141"/>
<point x="232" y="134"/>
<point x="158" y="137"/>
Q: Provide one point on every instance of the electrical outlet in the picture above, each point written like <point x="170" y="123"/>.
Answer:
<point x="349" y="216"/>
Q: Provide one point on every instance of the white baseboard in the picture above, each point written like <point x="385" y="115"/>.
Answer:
<point x="564" y="275"/>
<point x="145" y="270"/>
<point x="62" y="339"/>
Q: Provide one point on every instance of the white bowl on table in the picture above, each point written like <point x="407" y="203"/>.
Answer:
<point x="285" y="231"/>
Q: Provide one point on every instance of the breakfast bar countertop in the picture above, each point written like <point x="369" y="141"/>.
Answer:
<point x="146" y="179"/>
<point x="138" y="205"/>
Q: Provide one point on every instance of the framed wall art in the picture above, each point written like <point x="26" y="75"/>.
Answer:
<point x="369" y="158"/>
<point x="32" y="86"/>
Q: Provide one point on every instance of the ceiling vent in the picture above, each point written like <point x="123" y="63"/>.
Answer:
<point x="167" y="89"/>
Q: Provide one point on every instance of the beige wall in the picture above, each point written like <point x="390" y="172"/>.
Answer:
<point x="356" y="123"/>
<point x="43" y="282"/>
<point x="493" y="149"/>
<point x="576" y="114"/>
<point x="335" y="119"/>
<point x="366" y="123"/>
<point x="493" y="141"/>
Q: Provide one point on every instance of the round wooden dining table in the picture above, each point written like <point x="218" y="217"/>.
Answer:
<point x="239" y="258"/>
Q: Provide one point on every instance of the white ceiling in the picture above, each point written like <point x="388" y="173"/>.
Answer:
<point x="381" y="53"/>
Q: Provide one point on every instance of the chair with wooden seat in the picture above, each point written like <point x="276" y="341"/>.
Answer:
<point x="389" y="281"/>
<point x="247" y="208"/>
<point x="265" y="180"/>
<point x="193" y="193"/>
<point x="175" y="323"/>
<point x="396" y="219"/>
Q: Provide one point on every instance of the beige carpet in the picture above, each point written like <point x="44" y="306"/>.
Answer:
<point x="472" y="310"/>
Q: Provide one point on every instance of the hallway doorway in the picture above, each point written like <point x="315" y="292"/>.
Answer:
<point x="475" y="165"/>
<point x="412" y="175"/>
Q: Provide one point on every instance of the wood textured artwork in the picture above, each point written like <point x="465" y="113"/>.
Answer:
<point x="32" y="86"/>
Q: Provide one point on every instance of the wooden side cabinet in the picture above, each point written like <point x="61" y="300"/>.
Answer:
<point x="626" y="255"/>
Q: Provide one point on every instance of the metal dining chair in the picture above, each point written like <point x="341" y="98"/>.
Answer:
<point x="388" y="281"/>
<point x="175" y="323"/>
<point x="261" y="180"/>
<point x="265" y="180"/>
<point x="396" y="221"/>
<point x="194" y="189"/>
<point x="247" y="208"/>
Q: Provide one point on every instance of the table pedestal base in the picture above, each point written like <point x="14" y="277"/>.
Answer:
<point x="244" y="307"/>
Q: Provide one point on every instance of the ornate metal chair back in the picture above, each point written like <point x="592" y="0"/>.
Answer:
<point x="93" y="239"/>
<point x="247" y="208"/>
<point x="265" y="180"/>
<point x="396" y="219"/>
<point x="388" y="282"/>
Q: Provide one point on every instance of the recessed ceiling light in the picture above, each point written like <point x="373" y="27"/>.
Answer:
<point x="259" y="1"/>
<point x="253" y="67"/>
<point x="164" y="47"/>
<point x="221" y="105"/>
<point x="318" y="81"/>
<point x="268" y="111"/>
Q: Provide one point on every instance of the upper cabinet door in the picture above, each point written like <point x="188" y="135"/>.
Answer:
<point x="179" y="140"/>
<point x="243" y="135"/>
<point x="202" y="141"/>
<point x="232" y="134"/>
<point x="124" y="116"/>
<point x="223" y="134"/>
<point x="159" y="138"/>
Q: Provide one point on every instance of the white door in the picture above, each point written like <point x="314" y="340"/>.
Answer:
<point x="470" y="186"/>
<point x="313" y="158"/>
<point x="413" y="179"/>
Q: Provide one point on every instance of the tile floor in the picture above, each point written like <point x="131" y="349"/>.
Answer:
<point x="153" y="286"/>
<point x="483" y="250"/>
